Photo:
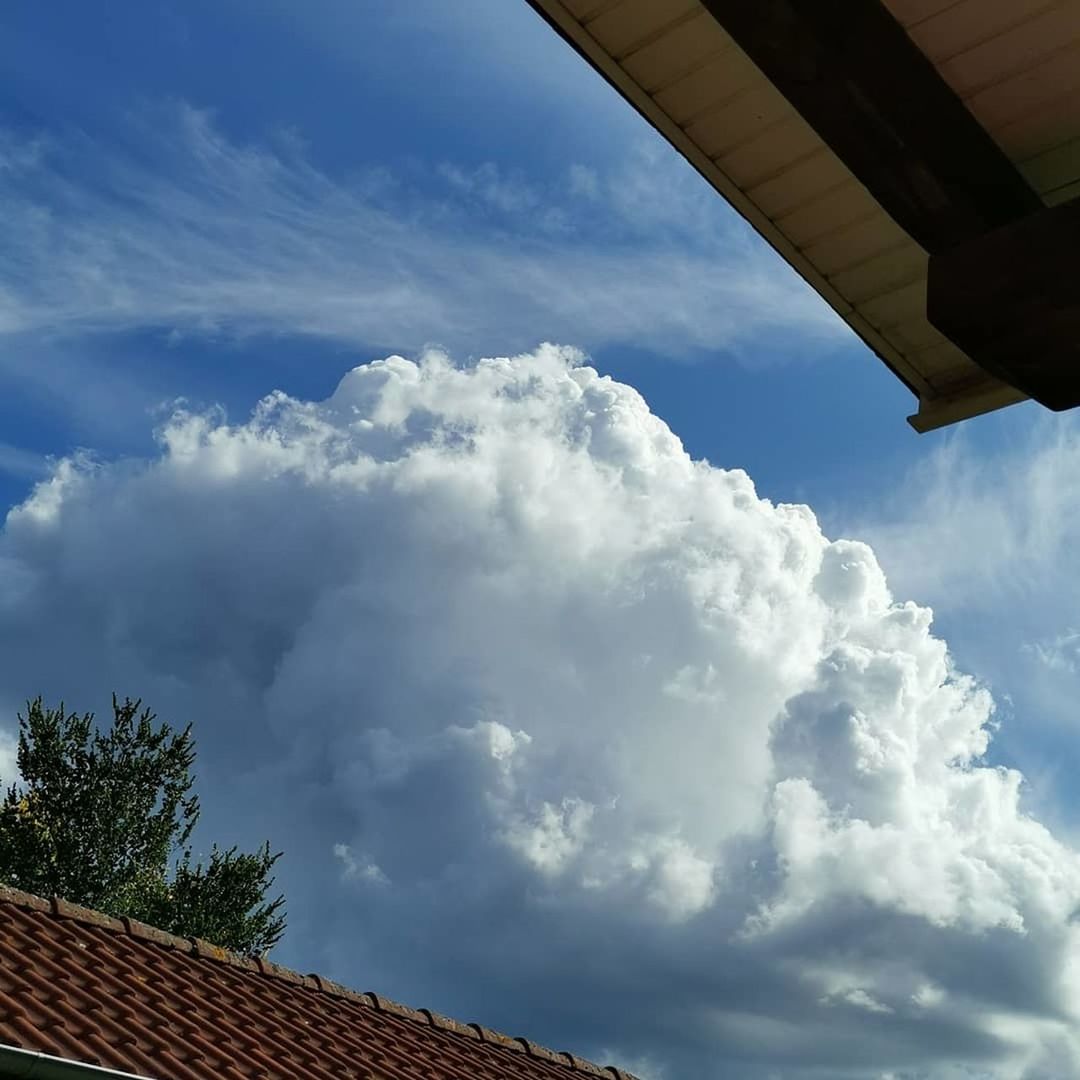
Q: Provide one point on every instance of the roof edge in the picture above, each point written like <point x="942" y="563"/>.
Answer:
<point x="57" y="907"/>
<point x="18" y="1063"/>
<point x="973" y="399"/>
<point x="567" y="26"/>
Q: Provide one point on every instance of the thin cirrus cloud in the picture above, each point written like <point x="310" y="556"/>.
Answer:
<point x="24" y="464"/>
<point x="202" y="235"/>
<point x="998" y="524"/>
<point x="562" y="729"/>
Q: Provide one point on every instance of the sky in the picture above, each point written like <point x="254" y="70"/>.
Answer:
<point x="541" y="565"/>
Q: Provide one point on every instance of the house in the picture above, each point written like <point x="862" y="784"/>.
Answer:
<point x="916" y="161"/>
<point x="83" y="996"/>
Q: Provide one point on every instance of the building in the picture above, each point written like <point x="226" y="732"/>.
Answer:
<point x="916" y="161"/>
<point x="84" y="996"/>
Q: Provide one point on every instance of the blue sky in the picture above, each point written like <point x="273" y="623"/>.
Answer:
<point x="206" y="203"/>
<point x="354" y="87"/>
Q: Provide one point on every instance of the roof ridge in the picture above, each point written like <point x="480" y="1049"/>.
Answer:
<point x="204" y="950"/>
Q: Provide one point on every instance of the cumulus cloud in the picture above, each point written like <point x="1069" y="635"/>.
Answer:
<point x="988" y="534"/>
<point x="358" y="868"/>
<point x="595" y="743"/>
<point x="9" y="746"/>
<point x="199" y="235"/>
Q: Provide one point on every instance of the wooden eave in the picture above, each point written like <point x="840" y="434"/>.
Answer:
<point x="867" y="142"/>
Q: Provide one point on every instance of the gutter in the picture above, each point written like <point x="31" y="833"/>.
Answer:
<point x="16" y="1064"/>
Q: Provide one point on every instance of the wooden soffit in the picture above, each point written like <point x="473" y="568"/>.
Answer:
<point x="868" y="142"/>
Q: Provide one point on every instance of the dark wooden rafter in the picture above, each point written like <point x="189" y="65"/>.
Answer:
<point x="1003" y="280"/>
<point x="851" y="71"/>
<point x="1011" y="300"/>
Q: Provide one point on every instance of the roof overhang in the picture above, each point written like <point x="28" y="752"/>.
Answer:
<point x="913" y="160"/>
<point x="16" y="1062"/>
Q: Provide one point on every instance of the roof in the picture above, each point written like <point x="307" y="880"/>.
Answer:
<point x="116" y="993"/>
<point x="864" y="141"/>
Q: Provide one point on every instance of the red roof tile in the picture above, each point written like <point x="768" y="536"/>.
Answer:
<point x="114" y="992"/>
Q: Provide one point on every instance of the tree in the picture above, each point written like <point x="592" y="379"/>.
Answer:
<point x="103" y="819"/>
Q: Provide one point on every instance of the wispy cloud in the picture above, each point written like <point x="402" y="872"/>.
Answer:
<point x="199" y="235"/>
<point x="987" y="529"/>
<point x="24" y="464"/>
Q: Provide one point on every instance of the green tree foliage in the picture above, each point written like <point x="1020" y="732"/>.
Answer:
<point x="103" y="818"/>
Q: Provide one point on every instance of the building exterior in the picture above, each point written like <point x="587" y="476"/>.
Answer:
<point x="916" y="161"/>
<point x="84" y="995"/>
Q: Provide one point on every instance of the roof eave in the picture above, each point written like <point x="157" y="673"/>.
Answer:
<point x="20" y="1064"/>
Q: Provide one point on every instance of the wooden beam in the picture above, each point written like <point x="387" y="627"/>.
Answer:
<point x="1011" y="301"/>
<point x="869" y="92"/>
<point x="982" y="395"/>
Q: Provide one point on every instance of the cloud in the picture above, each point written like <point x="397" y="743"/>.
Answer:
<point x="564" y="730"/>
<point x="200" y="235"/>
<point x="25" y="464"/>
<point x="9" y="747"/>
<point x="358" y="868"/>
<point x="989" y="535"/>
<point x="1058" y="653"/>
<point x="986" y="527"/>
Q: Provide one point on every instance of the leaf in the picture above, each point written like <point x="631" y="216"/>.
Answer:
<point x="102" y="818"/>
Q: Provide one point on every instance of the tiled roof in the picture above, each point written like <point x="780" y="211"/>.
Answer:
<point x="116" y="993"/>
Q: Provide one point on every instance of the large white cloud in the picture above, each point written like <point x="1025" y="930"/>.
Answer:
<point x="987" y="529"/>
<point x="564" y="729"/>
